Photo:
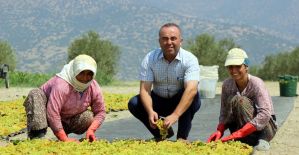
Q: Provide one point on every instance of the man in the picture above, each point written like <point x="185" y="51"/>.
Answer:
<point x="173" y="73"/>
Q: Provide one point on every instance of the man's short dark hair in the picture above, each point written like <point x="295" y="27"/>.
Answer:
<point x="170" y="25"/>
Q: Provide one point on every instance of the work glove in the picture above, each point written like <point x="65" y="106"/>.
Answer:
<point x="218" y="134"/>
<point x="90" y="133"/>
<point x="247" y="129"/>
<point x="61" y="135"/>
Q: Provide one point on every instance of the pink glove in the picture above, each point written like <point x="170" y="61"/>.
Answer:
<point x="218" y="134"/>
<point x="91" y="130"/>
<point x="247" y="129"/>
<point x="61" y="135"/>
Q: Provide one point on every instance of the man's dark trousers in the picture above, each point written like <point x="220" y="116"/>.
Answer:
<point x="164" y="107"/>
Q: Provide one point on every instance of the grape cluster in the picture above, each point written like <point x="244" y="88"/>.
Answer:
<point x="163" y="131"/>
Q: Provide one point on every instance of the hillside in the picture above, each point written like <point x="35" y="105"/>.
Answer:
<point x="274" y="16"/>
<point x="41" y="30"/>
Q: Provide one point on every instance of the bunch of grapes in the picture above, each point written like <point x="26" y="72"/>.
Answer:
<point x="163" y="131"/>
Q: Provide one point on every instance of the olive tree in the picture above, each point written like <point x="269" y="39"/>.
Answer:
<point x="211" y="52"/>
<point x="7" y="55"/>
<point x="280" y="64"/>
<point x="103" y="51"/>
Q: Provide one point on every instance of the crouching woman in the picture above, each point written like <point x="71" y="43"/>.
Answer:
<point x="70" y="102"/>
<point x="246" y="106"/>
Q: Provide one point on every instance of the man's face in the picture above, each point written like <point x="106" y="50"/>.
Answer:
<point x="170" y="41"/>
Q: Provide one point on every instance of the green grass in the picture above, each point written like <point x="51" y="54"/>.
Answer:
<point x="119" y="83"/>
<point x="25" y="79"/>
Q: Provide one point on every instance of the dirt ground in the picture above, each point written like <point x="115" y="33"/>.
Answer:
<point x="285" y="142"/>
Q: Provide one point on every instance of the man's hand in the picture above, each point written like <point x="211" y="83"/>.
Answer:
<point x="185" y="102"/>
<point x="153" y="118"/>
<point x="170" y="120"/>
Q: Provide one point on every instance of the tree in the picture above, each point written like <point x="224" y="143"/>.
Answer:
<point x="103" y="51"/>
<point x="294" y="61"/>
<point x="7" y="55"/>
<point x="210" y="52"/>
<point x="280" y="64"/>
<point x="273" y="66"/>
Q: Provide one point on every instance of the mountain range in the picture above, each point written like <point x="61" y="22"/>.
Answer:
<point x="40" y="31"/>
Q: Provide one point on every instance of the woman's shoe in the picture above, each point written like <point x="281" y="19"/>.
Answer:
<point x="37" y="134"/>
<point x="262" y="145"/>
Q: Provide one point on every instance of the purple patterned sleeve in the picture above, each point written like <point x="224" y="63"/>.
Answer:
<point x="263" y="103"/>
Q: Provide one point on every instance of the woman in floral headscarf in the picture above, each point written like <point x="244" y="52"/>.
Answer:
<point x="62" y="102"/>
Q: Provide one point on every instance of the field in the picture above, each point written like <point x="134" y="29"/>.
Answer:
<point x="283" y="143"/>
<point x="116" y="99"/>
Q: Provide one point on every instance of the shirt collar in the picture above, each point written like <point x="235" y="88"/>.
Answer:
<point x="245" y="89"/>
<point x="178" y="56"/>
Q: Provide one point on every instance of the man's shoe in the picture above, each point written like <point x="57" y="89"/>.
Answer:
<point x="170" y="133"/>
<point x="37" y="134"/>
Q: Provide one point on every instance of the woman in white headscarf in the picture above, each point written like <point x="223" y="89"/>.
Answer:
<point x="62" y="102"/>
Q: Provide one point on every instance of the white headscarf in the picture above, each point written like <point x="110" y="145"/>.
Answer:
<point x="74" y="67"/>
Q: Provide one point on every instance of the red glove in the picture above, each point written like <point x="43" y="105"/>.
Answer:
<point x="247" y="129"/>
<point x="218" y="134"/>
<point x="61" y="135"/>
<point x="91" y="130"/>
